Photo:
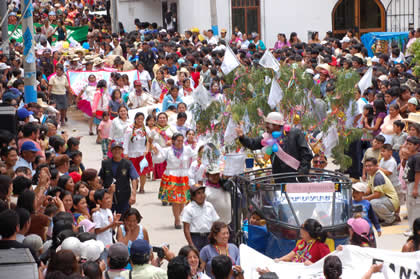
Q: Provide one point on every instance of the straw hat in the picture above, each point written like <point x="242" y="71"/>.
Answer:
<point x="97" y="61"/>
<point x="88" y="59"/>
<point x="40" y="102"/>
<point x="323" y="68"/>
<point x="413" y="118"/>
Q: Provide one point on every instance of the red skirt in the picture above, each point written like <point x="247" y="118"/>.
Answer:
<point x="136" y="163"/>
<point x="159" y="169"/>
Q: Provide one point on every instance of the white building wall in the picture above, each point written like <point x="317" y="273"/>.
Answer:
<point x="145" y="10"/>
<point x="196" y="13"/>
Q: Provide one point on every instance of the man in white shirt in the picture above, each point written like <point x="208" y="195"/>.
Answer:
<point x="28" y="152"/>
<point x="198" y="217"/>
<point x="212" y="40"/>
<point x="137" y="98"/>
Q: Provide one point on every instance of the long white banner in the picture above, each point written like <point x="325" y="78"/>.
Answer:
<point x="79" y="79"/>
<point x="356" y="261"/>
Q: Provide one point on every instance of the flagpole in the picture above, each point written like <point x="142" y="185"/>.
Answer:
<point x="29" y="52"/>
<point x="4" y="27"/>
<point x="213" y="17"/>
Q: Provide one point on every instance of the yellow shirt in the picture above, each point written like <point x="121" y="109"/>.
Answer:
<point x="381" y="183"/>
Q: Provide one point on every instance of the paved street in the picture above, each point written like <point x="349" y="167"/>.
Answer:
<point x="158" y="219"/>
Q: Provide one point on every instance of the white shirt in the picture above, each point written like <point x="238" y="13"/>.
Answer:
<point x="200" y="218"/>
<point x="103" y="218"/>
<point x="391" y="165"/>
<point x="213" y="40"/>
<point x="144" y="77"/>
<point x="145" y="99"/>
<point x="360" y="105"/>
<point x="178" y="167"/>
<point x="196" y="173"/>
<point x="136" y="146"/>
<point x="118" y="128"/>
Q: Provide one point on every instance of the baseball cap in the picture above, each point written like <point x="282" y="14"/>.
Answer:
<point x="34" y="241"/>
<point x="360" y="187"/>
<point x="118" y="250"/>
<point x="29" y="146"/>
<point x="195" y="188"/>
<point x="4" y="66"/>
<point x="73" y="244"/>
<point x="23" y="113"/>
<point x="91" y="250"/>
<point x="345" y="40"/>
<point x="87" y="224"/>
<point x="413" y="100"/>
<point x="359" y="226"/>
<point x="137" y="83"/>
<point x="140" y="247"/>
<point x="116" y="144"/>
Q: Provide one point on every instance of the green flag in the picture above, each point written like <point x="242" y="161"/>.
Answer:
<point x="79" y="34"/>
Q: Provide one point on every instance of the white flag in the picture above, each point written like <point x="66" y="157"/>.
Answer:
<point x="230" y="133"/>
<point x="366" y="81"/>
<point x="276" y="94"/>
<point x="201" y="96"/>
<point x="269" y="61"/>
<point x="330" y="141"/>
<point x="230" y="61"/>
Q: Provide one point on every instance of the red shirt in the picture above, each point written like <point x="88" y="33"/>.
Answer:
<point x="312" y="251"/>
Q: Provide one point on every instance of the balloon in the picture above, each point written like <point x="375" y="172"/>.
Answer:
<point x="271" y="141"/>
<point x="266" y="157"/>
<point x="264" y="142"/>
<point x="276" y="134"/>
<point x="86" y="45"/>
<point x="286" y="128"/>
<point x="275" y="148"/>
<point x="66" y="45"/>
<point x="269" y="150"/>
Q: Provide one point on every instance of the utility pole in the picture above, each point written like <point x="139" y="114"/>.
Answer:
<point x="4" y="13"/>
<point x="213" y="17"/>
<point x="114" y="17"/>
<point x="29" y="52"/>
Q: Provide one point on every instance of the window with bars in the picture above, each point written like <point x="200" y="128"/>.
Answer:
<point x="246" y="15"/>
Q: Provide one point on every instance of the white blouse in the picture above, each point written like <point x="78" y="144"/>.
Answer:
<point x="196" y="173"/>
<point x="136" y="146"/>
<point x="159" y="139"/>
<point x="118" y="128"/>
<point x="178" y="167"/>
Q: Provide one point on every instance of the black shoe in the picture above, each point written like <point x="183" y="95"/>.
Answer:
<point x="65" y="119"/>
<point x="164" y="203"/>
<point x="178" y="227"/>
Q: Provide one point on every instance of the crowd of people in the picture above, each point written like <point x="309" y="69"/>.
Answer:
<point x="79" y="221"/>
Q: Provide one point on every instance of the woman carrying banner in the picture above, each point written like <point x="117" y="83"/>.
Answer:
<point x="311" y="248"/>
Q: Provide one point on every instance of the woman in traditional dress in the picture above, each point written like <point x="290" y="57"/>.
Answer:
<point x="162" y="135"/>
<point x="100" y="104"/>
<point x="174" y="186"/>
<point x="85" y="99"/>
<point x="136" y="148"/>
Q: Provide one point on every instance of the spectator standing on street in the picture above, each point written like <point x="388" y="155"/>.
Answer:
<point x="198" y="217"/>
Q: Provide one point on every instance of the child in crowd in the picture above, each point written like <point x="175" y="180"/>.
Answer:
<point x="398" y="139"/>
<point x="365" y="210"/>
<point x="80" y="208"/>
<point x="388" y="165"/>
<point x="413" y="130"/>
<point x="373" y="152"/>
<point x="103" y="131"/>
<point x="103" y="218"/>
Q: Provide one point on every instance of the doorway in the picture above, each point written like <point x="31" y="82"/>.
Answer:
<point x="361" y="16"/>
